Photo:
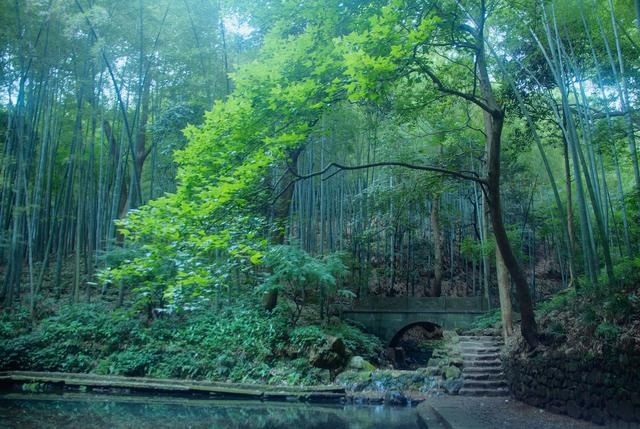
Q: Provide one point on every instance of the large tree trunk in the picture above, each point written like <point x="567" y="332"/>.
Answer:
<point x="493" y="124"/>
<point x="504" y="286"/>
<point x="529" y="327"/>
<point x="493" y="128"/>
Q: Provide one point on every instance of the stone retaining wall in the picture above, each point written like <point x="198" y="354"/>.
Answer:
<point x="605" y="391"/>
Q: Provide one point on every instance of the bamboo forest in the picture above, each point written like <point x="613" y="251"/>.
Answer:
<point x="320" y="214"/>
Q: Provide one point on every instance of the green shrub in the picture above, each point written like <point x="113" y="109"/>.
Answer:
<point x="608" y="332"/>
<point x="627" y="271"/>
<point x="300" y="276"/>
<point x="14" y="324"/>
<point x="242" y="343"/>
<point x="488" y="319"/>
<point x="306" y="337"/>
<point x="357" y="342"/>
<point x="133" y="362"/>
<point x="559" y="301"/>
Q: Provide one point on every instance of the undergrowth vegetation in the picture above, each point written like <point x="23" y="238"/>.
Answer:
<point x="598" y="318"/>
<point x="240" y="344"/>
<point x="490" y="319"/>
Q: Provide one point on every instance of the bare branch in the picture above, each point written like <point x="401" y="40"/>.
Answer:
<point x="472" y="176"/>
<point x="462" y="175"/>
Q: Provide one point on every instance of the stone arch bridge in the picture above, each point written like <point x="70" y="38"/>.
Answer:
<point x="389" y="317"/>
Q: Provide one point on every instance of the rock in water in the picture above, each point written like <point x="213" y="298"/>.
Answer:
<point x="395" y="397"/>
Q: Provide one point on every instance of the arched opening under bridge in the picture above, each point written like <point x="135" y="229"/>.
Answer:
<point x="412" y="345"/>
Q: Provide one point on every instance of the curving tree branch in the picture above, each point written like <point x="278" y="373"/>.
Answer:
<point x="338" y="168"/>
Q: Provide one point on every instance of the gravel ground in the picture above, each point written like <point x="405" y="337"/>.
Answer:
<point x="500" y="413"/>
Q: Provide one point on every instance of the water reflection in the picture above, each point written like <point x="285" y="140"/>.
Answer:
<point x="98" y="412"/>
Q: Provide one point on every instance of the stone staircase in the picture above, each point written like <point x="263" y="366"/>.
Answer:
<point x="482" y="368"/>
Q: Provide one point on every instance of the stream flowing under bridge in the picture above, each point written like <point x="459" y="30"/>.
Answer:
<point x="390" y="317"/>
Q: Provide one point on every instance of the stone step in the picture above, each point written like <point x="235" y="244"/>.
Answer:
<point x="484" y="384"/>
<point x="480" y="337"/>
<point x="481" y="342"/>
<point x="475" y="349"/>
<point x="480" y="356"/>
<point x="474" y="376"/>
<point x="483" y="392"/>
<point x="480" y="370"/>
<point x="485" y="338"/>
<point x="496" y="363"/>
<point x="482" y="346"/>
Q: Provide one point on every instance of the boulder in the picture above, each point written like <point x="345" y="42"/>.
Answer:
<point x="324" y="376"/>
<point x="435" y="362"/>
<point x="330" y="355"/>
<point x="456" y="361"/>
<point x="395" y="397"/>
<point x="358" y="363"/>
<point x="354" y="380"/>
<point x="452" y="373"/>
<point x="431" y="371"/>
<point x="452" y="387"/>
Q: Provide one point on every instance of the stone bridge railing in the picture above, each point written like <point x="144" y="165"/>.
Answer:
<point x="423" y="304"/>
<point x="387" y="316"/>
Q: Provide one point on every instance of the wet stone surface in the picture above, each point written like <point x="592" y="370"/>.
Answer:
<point x="500" y="413"/>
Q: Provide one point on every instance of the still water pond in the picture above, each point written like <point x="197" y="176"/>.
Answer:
<point x="98" y="412"/>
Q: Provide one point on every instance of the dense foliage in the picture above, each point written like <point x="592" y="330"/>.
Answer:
<point x="238" y="344"/>
<point x="182" y="163"/>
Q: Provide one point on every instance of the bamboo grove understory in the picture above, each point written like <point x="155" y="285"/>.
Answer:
<point x="440" y="147"/>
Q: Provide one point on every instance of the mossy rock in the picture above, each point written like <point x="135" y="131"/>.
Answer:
<point x="34" y="387"/>
<point x="435" y="362"/>
<point x="451" y="336"/>
<point x="399" y="380"/>
<point x="354" y="380"/>
<point x="452" y="387"/>
<point x="452" y="372"/>
<point x="358" y="363"/>
<point x="456" y="361"/>
<point x="439" y="353"/>
<point x="331" y="355"/>
<point x="431" y="371"/>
